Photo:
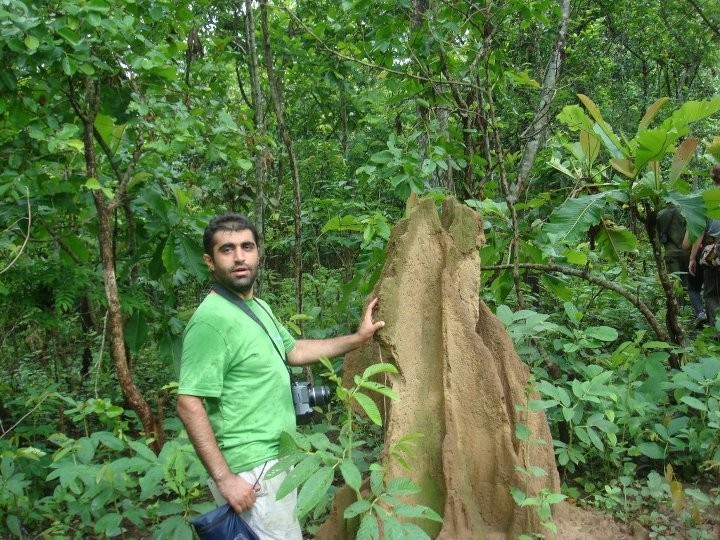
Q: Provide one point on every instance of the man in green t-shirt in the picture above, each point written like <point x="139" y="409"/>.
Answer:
<point x="234" y="395"/>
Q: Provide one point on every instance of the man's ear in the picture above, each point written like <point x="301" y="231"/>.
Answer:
<point x="209" y="261"/>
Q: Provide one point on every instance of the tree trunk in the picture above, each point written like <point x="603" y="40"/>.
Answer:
<point x="262" y="157"/>
<point x="105" y="209"/>
<point x="276" y="97"/>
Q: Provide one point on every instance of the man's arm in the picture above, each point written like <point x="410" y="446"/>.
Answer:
<point x="236" y="491"/>
<point x="307" y="351"/>
<point x="692" y="266"/>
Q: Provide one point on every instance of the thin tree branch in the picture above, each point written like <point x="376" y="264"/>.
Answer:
<point x="622" y="291"/>
<point x="27" y="235"/>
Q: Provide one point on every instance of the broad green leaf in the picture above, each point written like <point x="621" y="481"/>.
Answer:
<point x="603" y="333"/>
<point x="398" y="487"/>
<point x="650" y="113"/>
<point x="374" y="369"/>
<point x="351" y="474"/>
<point x="98" y="6"/>
<point x="369" y="407"/>
<point x="681" y="158"/>
<point x="689" y="112"/>
<point x="694" y="403"/>
<point x="575" y="118"/>
<point x="693" y="209"/>
<point x="615" y="240"/>
<point x="136" y="331"/>
<point x="299" y="474"/>
<point x="602" y="128"/>
<point x="590" y="145"/>
<point x="576" y="257"/>
<point x="625" y="167"/>
<point x="652" y="145"/>
<point x="651" y="450"/>
<point x="575" y="216"/>
<point x="714" y="148"/>
<point x="356" y="508"/>
<point x="109" y="525"/>
<point x="417" y="511"/>
<point x="313" y="490"/>
<point x="190" y="256"/>
<point x="69" y="35"/>
<point x="31" y="42"/>
<point x="711" y="197"/>
<point x="379" y="388"/>
<point x="143" y="451"/>
<point x="368" y="528"/>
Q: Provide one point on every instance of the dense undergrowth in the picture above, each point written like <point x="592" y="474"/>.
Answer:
<point x="632" y="437"/>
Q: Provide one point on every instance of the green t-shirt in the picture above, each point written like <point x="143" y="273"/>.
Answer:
<point x="229" y="360"/>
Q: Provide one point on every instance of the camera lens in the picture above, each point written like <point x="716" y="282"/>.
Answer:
<point x="319" y="396"/>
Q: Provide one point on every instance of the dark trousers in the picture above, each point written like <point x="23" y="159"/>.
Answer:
<point x="711" y="282"/>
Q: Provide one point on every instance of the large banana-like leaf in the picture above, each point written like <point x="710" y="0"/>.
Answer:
<point x="689" y="112"/>
<point x="606" y="133"/>
<point x="614" y="240"/>
<point x="652" y="145"/>
<point x="714" y="148"/>
<point x="682" y="157"/>
<point x="693" y="208"/>
<point x="651" y="112"/>
<point x="575" y="216"/>
<point x="575" y="118"/>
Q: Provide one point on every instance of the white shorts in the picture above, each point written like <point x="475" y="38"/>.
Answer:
<point x="269" y="518"/>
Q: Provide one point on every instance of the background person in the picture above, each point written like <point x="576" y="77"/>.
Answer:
<point x="234" y="394"/>
<point x="711" y="274"/>
<point x="670" y="226"/>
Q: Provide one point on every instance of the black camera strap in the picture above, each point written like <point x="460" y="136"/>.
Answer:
<point x="220" y="289"/>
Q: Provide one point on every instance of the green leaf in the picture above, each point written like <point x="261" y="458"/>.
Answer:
<point x="398" y="487"/>
<point x="575" y="216"/>
<point x="142" y="450"/>
<point x="190" y="256"/>
<point x="98" y="6"/>
<point x="109" y="524"/>
<point x="603" y="333"/>
<point x="612" y="143"/>
<point x="69" y="35"/>
<point x="368" y="528"/>
<point x="31" y="42"/>
<point x="651" y="112"/>
<point x="369" y="406"/>
<point x="652" y="146"/>
<point x="681" y="158"/>
<point x="313" y="490"/>
<point x="615" y="240"/>
<point x="351" y="474"/>
<point x="356" y="508"/>
<point x="651" y="450"/>
<point x="694" y="403"/>
<point x="136" y="331"/>
<point x="574" y="117"/>
<point x="417" y="511"/>
<point x="379" y="388"/>
<point x="374" y="369"/>
<point x="299" y="474"/>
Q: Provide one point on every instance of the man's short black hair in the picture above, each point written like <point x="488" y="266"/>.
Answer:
<point x="231" y="222"/>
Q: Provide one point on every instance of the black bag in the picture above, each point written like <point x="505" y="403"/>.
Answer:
<point x="223" y="523"/>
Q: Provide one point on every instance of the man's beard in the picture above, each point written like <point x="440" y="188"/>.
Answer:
<point x="239" y="285"/>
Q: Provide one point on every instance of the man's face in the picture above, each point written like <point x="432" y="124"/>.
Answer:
<point x="234" y="261"/>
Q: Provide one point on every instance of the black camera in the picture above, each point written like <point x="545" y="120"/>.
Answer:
<point x="305" y="397"/>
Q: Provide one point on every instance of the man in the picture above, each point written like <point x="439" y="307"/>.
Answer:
<point x="234" y="395"/>
<point x="711" y="274"/>
<point x="670" y="226"/>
